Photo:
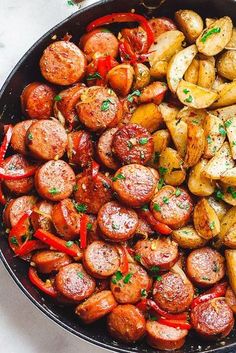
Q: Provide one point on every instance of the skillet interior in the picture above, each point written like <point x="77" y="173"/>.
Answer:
<point x="26" y="71"/>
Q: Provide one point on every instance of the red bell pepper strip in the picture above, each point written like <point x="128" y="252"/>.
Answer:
<point x="3" y="200"/>
<point x="29" y="246"/>
<point x="44" y="287"/>
<point x="57" y="243"/>
<point x="127" y="53"/>
<point x="124" y="17"/>
<point x="94" y="169"/>
<point x="124" y="264"/>
<point x="104" y="65"/>
<point x="156" y="225"/>
<point x="146" y="304"/>
<point x="5" y="143"/>
<point x="183" y="325"/>
<point x="19" y="174"/>
<point x="20" y="229"/>
<point x="217" y="291"/>
<point x="83" y="230"/>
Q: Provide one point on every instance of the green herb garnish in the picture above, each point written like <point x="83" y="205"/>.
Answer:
<point x="80" y="207"/>
<point x="94" y="76"/>
<point x="80" y="275"/>
<point x="232" y="191"/>
<point x="165" y="200"/>
<point x="54" y="191"/>
<point x="137" y="257"/>
<point x="30" y="136"/>
<point x="157" y="207"/>
<point x="130" y="97"/>
<point x="228" y="123"/>
<point x="161" y="183"/>
<point x="14" y="241"/>
<point x="222" y="130"/>
<point x="177" y="192"/>
<point x="186" y="91"/>
<point x="89" y="226"/>
<point x="127" y="278"/>
<point x="219" y="195"/>
<point x="118" y="177"/>
<point x="143" y="140"/>
<point x="163" y="170"/>
<point x="212" y="225"/>
<point x="106" y="105"/>
<point x="69" y="244"/>
<point x="189" y="99"/>
<point x="209" y="33"/>
<point x="143" y="293"/>
<point x="57" y="98"/>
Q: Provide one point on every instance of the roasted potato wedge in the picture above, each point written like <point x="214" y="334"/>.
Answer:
<point x="166" y="45"/>
<point x="178" y="66"/>
<point x="188" y="238"/>
<point x="214" y="38"/>
<point x="198" y="184"/>
<point x="232" y="43"/>
<point x="230" y="126"/>
<point x="142" y="76"/>
<point x="205" y="219"/>
<point x="190" y="23"/>
<point x="195" y="145"/>
<point x="192" y="72"/>
<point x="175" y="174"/>
<point x="161" y="140"/>
<point x="214" y="137"/>
<point x="219" y="206"/>
<point x="210" y="21"/>
<point x="120" y="79"/>
<point x="221" y="162"/>
<point x="168" y="112"/>
<point x="219" y="83"/>
<point x="195" y="96"/>
<point x="159" y="70"/>
<point x="148" y="115"/>
<point x="225" y="113"/>
<point x="230" y="257"/>
<point x="226" y="65"/>
<point x="179" y="130"/>
<point x="226" y="223"/>
<point x="229" y="177"/>
<point x="206" y="74"/>
<point x="229" y="192"/>
<point x="227" y="95"/>
<point x="192" y="115"/>
<point x="230" y="237"/>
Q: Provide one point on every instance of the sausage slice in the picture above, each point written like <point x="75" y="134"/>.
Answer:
<point x="117" y="223"/>
<point x="205" y="266"/>
<point x="47" y="261"/>
<point x="74" y="283"/>
<point x="42" y="217"/>
<point x="63" y="63"/>
<point x="104" y="149"/>
<point x="55" y="180"/>
<point x="15" y="209"/>
<point x="19" y="136"/>
<point x="80" y="148"/>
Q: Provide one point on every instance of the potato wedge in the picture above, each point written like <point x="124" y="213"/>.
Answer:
<point x="226" y="65"/>
<point x="178" y="66"/>
<point x="191" y="74"/>
<point x="210" y="21"/>
<point x="225" y="113"/>
<point x="159" y="70"/>
<point x="179" y="130"/>
<point x="230" y="126"/>
<point x="221" y="162"/>
<point x="142" y="76"/>
<point x="192" y="115"/>
<point x="190" y="23"/>
<point x="229" y="192"/>
<point x="188" y="238"/>
<point x="166" y="45"/>
<point x="214" y="38"/>
<point x="148" y="115"/>
<point x="220" y="207"/>
<point x="227" y="95"/>
<point x="168" y="112"/>
<point x="206" y="75"/>
<point x="226" y="224"/>
<point x="195" y="96"/>
<point x="198" y="184"/>
<point x="214" y="137"/>
<point x="219" y="83"/>
<point x="230" y="257"/>
<point x="229" y="177"/>
<point x="230" y="237"/>
<point x="172" y="162"/>
<point x="205" y="219"/>
<point x="195" y="145"/>
<point x="232" y="43"/>
<point x="161" y="140"/>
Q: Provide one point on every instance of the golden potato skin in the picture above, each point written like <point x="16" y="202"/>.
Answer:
<point x="205" y="219"/>
<point x="188" y="238"/>
<point x="198" y="184"/>
<point x="120" y="78"/>
<point x="190" y="23"/>
<point x="173" y="163"/>
<point x="141" y="76"/>
<point x="148" y="115"/>
<point x="226" y="65"/>
<point x="230" y="256"/>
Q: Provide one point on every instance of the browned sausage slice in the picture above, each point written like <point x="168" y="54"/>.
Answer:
<point x="126" y="323"/>
<point x="213" y="319"/>
<point x="172" y="206"/>
<point x="161" y="252"/>
<point x="42" y="216"/>
<point x="173" y="293"/>
<point x="129" y="288"/>
<point x="153" y="93"/>
<point x="99" y="42"/>
<point x="19" y="136"/>
<point x="80" y="148"/>
<point x="99" y="108"/>
<point x="37" y="100"/>
<point x="132" y="143"/>
<point x="117" y="223"/>
<point x="105" y="151"/>
<point x="134" y="184"/>
<point x="63" y="63"/>
<point x="205" y="266"/>
<point x="93" y="194"/>
<point x="161" y="25"/>
<point x="164" y="337"/>
<point x="47" y="261"/>
<point x="95" y="307"/>
<point x="15" y="209"/>
<point x="66" y="219"/>
<point x="55" y="180"/>
<point x="46" y="139"/>
<point x="101" y="259"/>
<point x="14" y="164"/>
<point x="74" y="283"/>
<point x="144" y="228"/>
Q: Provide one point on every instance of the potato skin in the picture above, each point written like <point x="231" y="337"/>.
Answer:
<point x="142" y="76"/>
<point x="198" y="184"/>
<point x="188" y="238"/>
<point x="230" y="256"/>
<point x="190" y="23"/>
<point x="171" y="160"/>
<point x="148" y="115"/>
<point x="120" y="78"/>
<point x="195" y="145"/>
<point x="226" y="65"/>
<point x="206" y="221"/>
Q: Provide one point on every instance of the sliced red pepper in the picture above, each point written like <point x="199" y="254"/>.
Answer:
<point x="3" y="200"/>
<point x="104" y="65"/>
<point x="19" y="174"/>
<point x="95" y="169"/>
<point x="29" y="246"/>
<point x="5" y="143"/>
<point x="19" y="230"/>
<point x="183" y="325"/>
<point x="217" y="291"/>
<point x="83" y="230"/>
<point x="57" y="243"/>
<point x="44" y="287"/>
<point x="124" y="17"/>
<point x="147" y="304"/>
<point x="156" y="225"/>
<point x="124" y="264"/>
<point x="127" y="53"/>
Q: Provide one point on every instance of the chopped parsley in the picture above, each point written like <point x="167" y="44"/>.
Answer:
<point x="228" y="123"/>
<point x="54" y="191"/>
<point x="216" y="267"/>
<point x="143" y="293"/>
<point x="234" y="143"/>
<point x="118" y="177"/>
<point x="94" y="76"/>
<point x="14" y="241"/>
<point x="30" y="136"/>
<point x="156" y="207"/>
<point x="117" y="277"/>
<point x="183" y="206"/>
<point x="130" y="97"/>
<point x="115" y="226"/>
<point x="158" y="278"/>
<point x="161" y="183"/>
<point x="212" y="225"/>
<point x="232" y="191"/>
<point x="209" y="33"/>
<point x="205" y="279"/>
<point x="80" y="207"/>
<point x="143" y="140"/>
<point x="75" y="188"/>
<point x="222" y="130"/>
<point x="106" y="105"/>
<point x="69" y="244"/>
<point x="219" y="195"/>
<point x="144" y="208"/>
<point x="163" y="170"/>
<point x="129" y="144"/>
<point x="89" y="226"/>
<point x="80" y="275"/>
<point x="177" y="192"/>
<point x="189" y="99"/>
<point x="57" y="98"/>
<point x="156" y="157"/>
<point x="165" y="200"/>
<point x="209" y="139"/>
<point x="152" y="318"/>
<point x="137" y="257"/>
<point x="155" y="269"/>
<point x="127" y="278"/>
<point x="186" y="91"/>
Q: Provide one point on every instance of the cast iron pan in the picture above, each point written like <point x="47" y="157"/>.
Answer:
<point x="26" y="71"/>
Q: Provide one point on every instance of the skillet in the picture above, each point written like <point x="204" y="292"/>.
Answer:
<point x="26" y="71"/>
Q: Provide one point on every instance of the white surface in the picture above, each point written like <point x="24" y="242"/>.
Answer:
<point x="23" y="328"/>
